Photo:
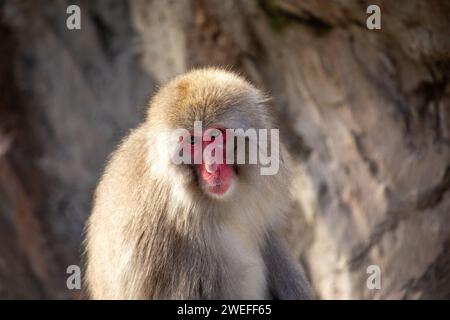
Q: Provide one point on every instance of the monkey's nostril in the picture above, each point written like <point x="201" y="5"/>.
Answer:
<point x="211" y="167"/>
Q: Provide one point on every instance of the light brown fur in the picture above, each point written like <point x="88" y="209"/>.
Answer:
<point x="154" y="234"/>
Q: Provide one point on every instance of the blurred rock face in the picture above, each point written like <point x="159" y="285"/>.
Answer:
<point x="365" y="114"/>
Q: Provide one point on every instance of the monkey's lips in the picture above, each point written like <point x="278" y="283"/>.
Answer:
<point x="216" y="178"/>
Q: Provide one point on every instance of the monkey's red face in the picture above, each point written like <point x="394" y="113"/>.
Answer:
<point x="208" y="153"/>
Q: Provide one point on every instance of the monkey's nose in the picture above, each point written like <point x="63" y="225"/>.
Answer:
<point x="211" y="167"/>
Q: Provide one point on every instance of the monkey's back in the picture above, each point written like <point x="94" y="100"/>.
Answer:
<point x="116" y="201"/>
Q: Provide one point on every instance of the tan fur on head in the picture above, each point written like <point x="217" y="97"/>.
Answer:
<point x="208" y="95"/>
<point x="214" y="96"/>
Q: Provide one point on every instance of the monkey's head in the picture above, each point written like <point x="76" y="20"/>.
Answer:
<point x="203" y="116"/>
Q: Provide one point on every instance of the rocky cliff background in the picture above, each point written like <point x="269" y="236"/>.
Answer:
<point x="366" y="114"/>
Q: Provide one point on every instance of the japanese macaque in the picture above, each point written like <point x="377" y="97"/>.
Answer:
<point x="208" y="230"/>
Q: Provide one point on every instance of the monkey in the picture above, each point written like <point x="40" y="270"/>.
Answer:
<point x="160" y="230"/>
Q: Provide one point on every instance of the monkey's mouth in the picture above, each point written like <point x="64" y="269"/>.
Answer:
<point x="217" y="179"/>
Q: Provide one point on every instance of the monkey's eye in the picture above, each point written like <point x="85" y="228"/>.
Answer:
<point x="193" y="140"/>
<point x="215" y="134"/>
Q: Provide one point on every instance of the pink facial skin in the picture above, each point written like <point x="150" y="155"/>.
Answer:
<point x="216" y="178"/>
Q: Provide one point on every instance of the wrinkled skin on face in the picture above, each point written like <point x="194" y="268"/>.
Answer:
<point x="215" y="176"/>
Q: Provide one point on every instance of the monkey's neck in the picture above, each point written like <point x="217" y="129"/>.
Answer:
<point x="218" y="223"/>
